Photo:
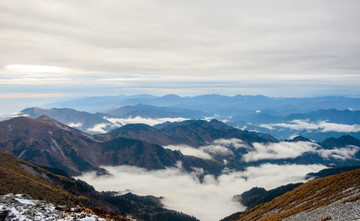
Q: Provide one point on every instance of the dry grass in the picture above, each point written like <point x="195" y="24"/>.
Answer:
<point x="311" y="195"/>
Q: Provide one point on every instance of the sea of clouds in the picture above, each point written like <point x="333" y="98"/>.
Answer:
<point x="209" y="199"/>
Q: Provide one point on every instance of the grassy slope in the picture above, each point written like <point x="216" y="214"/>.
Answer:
<point x="313" y="194"/>
<point x="19" y="176"/>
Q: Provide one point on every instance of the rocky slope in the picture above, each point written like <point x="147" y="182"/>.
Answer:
<point x="23" y="207"/>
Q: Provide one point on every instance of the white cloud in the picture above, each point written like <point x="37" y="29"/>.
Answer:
<point x="207" y="200"/>
<point x="217" y="147"/>
<point x="138" y="120"/>
<point x="216" y="150"/>
<point x="76" y="125"/>
<point x="281" y="150"/>
<point x="98" y="128"/>
<point x="343" y="153"/>
<point x="322" y="126"/>
<point x="236" y="143"/>
<point x="191" y="151"/>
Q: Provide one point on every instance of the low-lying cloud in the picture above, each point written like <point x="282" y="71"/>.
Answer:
<point x="285" y="150"/>
<point x="98" y="128"/>
<point x="343" y="153"/>
<point x="217" y="147"/>
<point x="191" y="151"/>
<point x="321" y="126"/>
<point x="281" y="150"/>
<point x="143" y="120"/>
<point x="119" y="122"/>
<point x="207" y="200"/>
<point x="76" y="125"/>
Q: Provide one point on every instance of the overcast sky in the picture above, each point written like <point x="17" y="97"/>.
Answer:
<point x="62" y="49"/>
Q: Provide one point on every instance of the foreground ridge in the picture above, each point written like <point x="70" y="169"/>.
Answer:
<point x="335" y="197"/>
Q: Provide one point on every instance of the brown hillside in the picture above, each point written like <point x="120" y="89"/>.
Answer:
<point x="309" y="196"/>
<point x="18" y="176"/>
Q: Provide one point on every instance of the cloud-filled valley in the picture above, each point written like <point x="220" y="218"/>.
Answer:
<point x="210" y="199"/>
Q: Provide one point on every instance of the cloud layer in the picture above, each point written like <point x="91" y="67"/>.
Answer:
<point x="321" y="126"/>
<point x="284" y="150"/>
<point x="216" y="148"/>
<point x="118" y="122"/>
<point x="210" y="200"/>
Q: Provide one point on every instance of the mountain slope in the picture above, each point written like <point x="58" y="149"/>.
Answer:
<point x="78" y="119"/>
<point x="191" y="132"/>
<point x="335" y="193"/>
<point x="47" y="142"/>
<point x="20" y="177"/>
<point x="123" y="151"/>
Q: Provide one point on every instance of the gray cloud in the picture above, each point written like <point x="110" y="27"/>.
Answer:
<point x="208" y="200"/>
<point x="255" y="47"/>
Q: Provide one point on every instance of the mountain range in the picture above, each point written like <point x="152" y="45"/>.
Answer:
<point x="315" y="125"/>
<point x="201" y="146"/>
<point x="224" y="106"/>
<point x="213" y="146"/>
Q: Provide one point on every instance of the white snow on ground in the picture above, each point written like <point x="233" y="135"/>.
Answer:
<point x="23" y="208"/>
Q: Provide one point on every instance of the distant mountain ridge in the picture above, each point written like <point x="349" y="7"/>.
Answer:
<point x="149" y="111"/>
<point x="215" y="103"/>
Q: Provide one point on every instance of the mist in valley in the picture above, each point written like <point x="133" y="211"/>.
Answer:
<point x="207" y="199"/>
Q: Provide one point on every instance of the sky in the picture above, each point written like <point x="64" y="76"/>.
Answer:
<point x="57" y="50"/>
